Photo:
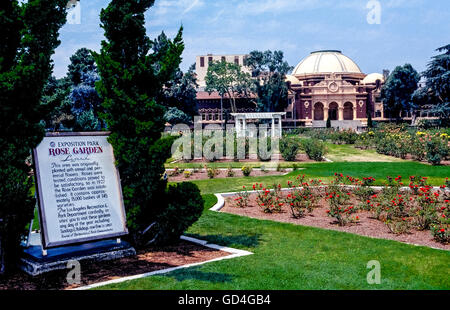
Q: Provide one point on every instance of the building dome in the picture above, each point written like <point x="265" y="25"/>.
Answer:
<point x="372" y="78"/>
<point x="326" y="61"/>
<point x="292" y="79"/>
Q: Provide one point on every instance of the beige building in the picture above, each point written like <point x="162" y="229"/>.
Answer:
<point x="201" y="64"/>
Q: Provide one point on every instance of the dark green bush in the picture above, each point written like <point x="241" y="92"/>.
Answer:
<point x="289" y="148"/>
<point x="184" y="209"/>
<point x="314" y="148"/>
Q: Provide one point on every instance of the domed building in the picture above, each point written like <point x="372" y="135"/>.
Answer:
<point x="328" y="84"/>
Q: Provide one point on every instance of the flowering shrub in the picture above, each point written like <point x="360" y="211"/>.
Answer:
<point x="241" y="200"/>
<point x="302" y="200"/>
<point x="338" y="202"/>
<point x="368" y="181"/>
<point x="425" y="208"/>
<point x="417" y="146"/>
<point x="416" y="182"/>
<point x="289" y="147"/>
<point x="343" y="136"/>
<point x="187" y="174"/>
<point x="398" y="225"/>
<point x="401" y="210"/>
<point x="212" y="172"/>
<point x="365" y="140"/>
<point x="314" y="148"/>
<point x="230" y="172"/>
<point x="441" y="229"/>
<point x="246" y="170"/>
<point x="436" y="148"/>
<point x="269" y="201"/>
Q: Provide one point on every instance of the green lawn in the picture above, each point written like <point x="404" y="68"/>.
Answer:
<point x="325" y="171"/>
<point x="287" y="256"/>
<point x="348" y="153"/>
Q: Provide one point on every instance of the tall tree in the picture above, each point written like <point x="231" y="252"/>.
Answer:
<point x="133" y="71"/>
<point x="438" y="81"/>
<point x="179" y="95"/>
<point x="86" y="104"/>
<point x="398" y="90"/>
<point x="269" y="71"/>
<point x="81" y="63"/>
<point x="228" y="79"/>
<point x="77" y="103"/>
<point x="56" y="94"/>
<point x="29" y="38"/>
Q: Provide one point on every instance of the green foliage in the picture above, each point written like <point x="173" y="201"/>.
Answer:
<point x="29" y="38"/>
<point x="87" y="121"/>
<point x="246" y="170"/>
<point x="180" y="93"/>
<point x="133" y="70"/>
<point x="212" y="172"/>
<point x="314" y="148"/>
<point x="81" y="63"/>
<point x="436" y="149"/>
<point x="228" y="79"/>
<point x="175" y="116"/>
<point x="398" y="90"/>
<point x="77" y="103"/>
<point x="56" y="94"/>
<point x="289" y="147"/>
<point x="184" y="209"/>
<point x="269" y="71"/>
<point x="438" y="81"/>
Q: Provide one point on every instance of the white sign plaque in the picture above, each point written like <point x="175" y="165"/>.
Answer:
<point x="78" y="187"/>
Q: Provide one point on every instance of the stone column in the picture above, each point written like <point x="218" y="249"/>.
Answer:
<point x="244" y="123"/>
<point x="341" y="113"/>
<point x="354" y="111"/>
<point x="273" y="126"/>
<point x="325" y="113"/>
<point x="280" y="126"/>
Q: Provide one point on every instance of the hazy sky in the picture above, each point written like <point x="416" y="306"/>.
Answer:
<point x="409" y="30"/>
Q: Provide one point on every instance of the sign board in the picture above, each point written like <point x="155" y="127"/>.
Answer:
<point x="78" y="189"/>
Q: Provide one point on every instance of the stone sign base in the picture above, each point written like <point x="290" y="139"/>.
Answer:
<point x="35" y="263"/>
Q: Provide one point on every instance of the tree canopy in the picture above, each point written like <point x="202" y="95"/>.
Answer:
<point x="133" y="71"/>
<point x="29" y="38"/>
<point x="82" y="62"/>
<point x="438" y="81"/>
<point x="269" y="71"/>
<point x="228" y="79"/>
<point x="398" y="90"/>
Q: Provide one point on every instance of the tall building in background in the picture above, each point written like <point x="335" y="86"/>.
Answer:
<point x="211" y="108"/>
<point x="202" y="62"/>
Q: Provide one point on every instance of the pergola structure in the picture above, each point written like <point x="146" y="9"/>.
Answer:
<point x="241" y="121"/>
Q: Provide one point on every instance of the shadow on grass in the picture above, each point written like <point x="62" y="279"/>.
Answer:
<point x="194" y="273"/>
<point x="230" y="241"/>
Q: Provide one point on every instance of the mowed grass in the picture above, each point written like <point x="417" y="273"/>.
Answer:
<point x="325" y="171"/>
<point x="348" y="153"/>
<point x="288" y="256"/>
